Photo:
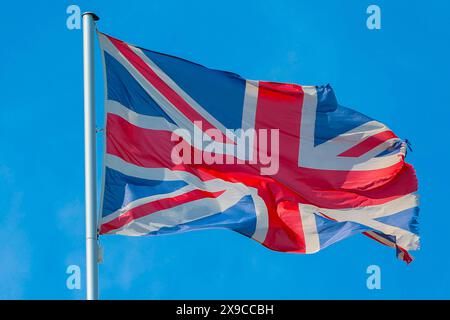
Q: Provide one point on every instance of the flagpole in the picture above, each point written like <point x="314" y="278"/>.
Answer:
<point x="89" y="19"/>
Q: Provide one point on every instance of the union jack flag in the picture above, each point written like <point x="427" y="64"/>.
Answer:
<point x="340" y="172"/>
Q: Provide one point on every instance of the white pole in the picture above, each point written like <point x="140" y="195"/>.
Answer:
<point x="90" y="157"/>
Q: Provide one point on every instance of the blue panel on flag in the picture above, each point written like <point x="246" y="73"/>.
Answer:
<point x="406" y="219"/>
<point x="333" y="119"/>
<point x="332" y="231"/>
<point x="241" y="218"/>
<point x="121" y="189"/>
<point x="123" y="88"/>
<point x="220" y="93"/>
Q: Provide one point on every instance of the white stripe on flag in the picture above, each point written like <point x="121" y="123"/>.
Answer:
<point x="308" y="217"/>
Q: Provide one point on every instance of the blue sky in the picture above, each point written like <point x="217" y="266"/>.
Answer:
<point x="399" y="75"/>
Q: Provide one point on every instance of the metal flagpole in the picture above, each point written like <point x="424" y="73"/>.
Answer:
<point x="89" y="19"/>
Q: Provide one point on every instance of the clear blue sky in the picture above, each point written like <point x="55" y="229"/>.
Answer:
<point x="399" y="75"/>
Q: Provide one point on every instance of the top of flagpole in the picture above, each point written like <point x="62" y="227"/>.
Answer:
<point x="94" y="16"/>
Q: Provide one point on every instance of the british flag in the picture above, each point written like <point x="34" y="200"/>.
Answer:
<point x="340" y="172"/>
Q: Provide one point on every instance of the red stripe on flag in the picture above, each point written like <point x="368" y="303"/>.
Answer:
<point x="368" y="144"/>
<point x="154" y="206"/>
<point x="279" y="107"/>
<point x="379" y="239"/>
<point x="285" y="231"/>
